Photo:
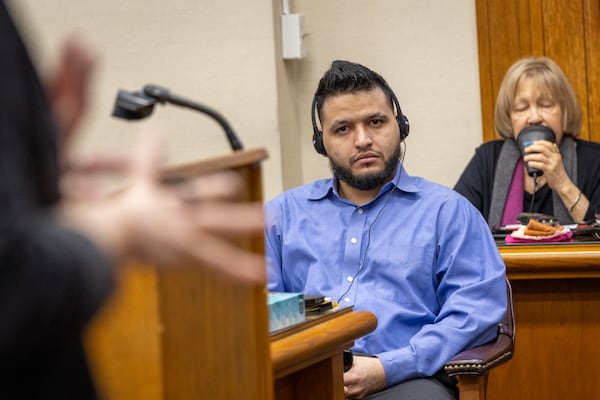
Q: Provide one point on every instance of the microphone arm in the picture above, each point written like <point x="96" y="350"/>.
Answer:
<point x="137" y="105"/>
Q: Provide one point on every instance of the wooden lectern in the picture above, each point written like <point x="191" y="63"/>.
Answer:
<point x="187" y="332"/>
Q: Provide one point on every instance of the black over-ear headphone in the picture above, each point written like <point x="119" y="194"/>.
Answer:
<point x="318" y="135"/>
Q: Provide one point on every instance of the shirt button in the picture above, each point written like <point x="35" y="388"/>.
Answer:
<point x="349" y="279"/>
<point x="347" y="299"/>
<point x="360" y="211"/>
<point x="353" y="240"/>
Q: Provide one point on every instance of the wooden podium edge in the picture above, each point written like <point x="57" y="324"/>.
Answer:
<point x="317" y="342"/>
<point x="234" y="160"/>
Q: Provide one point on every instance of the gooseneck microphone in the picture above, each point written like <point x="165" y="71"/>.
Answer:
<point x="138" y="105"/>
<point x="529" y="135"/>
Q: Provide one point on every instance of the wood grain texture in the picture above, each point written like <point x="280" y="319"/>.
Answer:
<point x="556" y="297"/>
<point x="123" y="340"/>
<point x="187" y="331"/>
<point x="294" y="351"/>
<point x="472" y="387"/>
<point x="560" y="261"/>
<point x="308" y="362"/>
<point x="591" y="22"/>
<point x="566" y="31"/>
<point x="322" y="380"/>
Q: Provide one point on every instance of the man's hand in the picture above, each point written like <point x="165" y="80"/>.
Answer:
<point x="68" y="89"/>
<point x="365" y="377"/>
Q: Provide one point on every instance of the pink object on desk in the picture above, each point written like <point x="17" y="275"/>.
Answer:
<point x="518" y="237"/>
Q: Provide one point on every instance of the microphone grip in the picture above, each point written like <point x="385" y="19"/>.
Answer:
<point x="532" y="171"/>
<point x="528" y="136"/>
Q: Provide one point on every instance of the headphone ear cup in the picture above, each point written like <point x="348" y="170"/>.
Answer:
<point x="318" y="141"/>
<point x="403" y="125"/>
<point x="400" y="117"/>
<point x="317" y="134"/>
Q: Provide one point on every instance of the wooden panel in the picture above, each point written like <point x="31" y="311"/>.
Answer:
<point x="486" y="80"/>
<point x="307" y="360"/>
<point x="503" y="38"/>
<point x="472" y="387"/>
<point x="124" y="339"/>
<point x="563" y="261"/>
<point x="323" y="380"/>
<point x="566" y="31"/>
<point x="295" y="350"/>
<point x="557" y="324"/>
<point x="187" y="332"/>
<point x="535" y="25"/>
<point x="556" y="298"/>
<point x="215" y="342"/>
<point x="564" y="38"/>
<point x="592" y="40"/>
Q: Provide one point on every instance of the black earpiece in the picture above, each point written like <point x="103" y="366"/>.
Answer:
<point x="317" y="134"/>
<point x="403" y="123"/>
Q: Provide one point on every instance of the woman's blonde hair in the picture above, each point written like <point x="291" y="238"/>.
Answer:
<point x="547" y="76"/>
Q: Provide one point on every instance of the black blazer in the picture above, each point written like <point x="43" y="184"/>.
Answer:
<point x="52" y="279"/>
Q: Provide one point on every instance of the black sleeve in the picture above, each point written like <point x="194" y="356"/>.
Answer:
<point x="28" y="135"/>
<point x="588" y="174"/>
<point x="52" y="281"/>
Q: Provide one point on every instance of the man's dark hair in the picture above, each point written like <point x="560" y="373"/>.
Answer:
<point x="347" y="77"/>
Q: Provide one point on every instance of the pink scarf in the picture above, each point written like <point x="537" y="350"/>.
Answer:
<point x="514" y="201"/>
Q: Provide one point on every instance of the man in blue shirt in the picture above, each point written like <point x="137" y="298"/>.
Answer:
<point x="413" y="252"/>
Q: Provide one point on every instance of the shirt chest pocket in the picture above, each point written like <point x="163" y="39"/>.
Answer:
<point x="400" y="273"/>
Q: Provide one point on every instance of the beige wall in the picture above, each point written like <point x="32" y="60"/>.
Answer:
<point x="226" y="54"/>
<point x="426" y="50"/>
<point x="220" y="53"/>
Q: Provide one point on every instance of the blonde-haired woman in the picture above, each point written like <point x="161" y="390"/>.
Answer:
<point x="535" y="91"/>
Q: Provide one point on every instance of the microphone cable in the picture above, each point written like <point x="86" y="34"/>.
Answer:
<point x="535" y="187"/>
<point x="364" y="257"/>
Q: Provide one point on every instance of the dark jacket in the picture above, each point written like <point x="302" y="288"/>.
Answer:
<point x="52" y="280"/>
<point x="477" y="180"/>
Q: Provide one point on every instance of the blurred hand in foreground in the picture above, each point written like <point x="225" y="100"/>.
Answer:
<point x="165" y="223"/>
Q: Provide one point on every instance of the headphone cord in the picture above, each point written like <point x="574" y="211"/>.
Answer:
<point x="535" y="186"/>
<point x="364" y="257"/>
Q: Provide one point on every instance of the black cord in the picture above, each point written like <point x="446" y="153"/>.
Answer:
<point x="535" y="186"/>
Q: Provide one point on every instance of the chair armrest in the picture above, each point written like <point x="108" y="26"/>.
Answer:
<point x="478" y="360"/>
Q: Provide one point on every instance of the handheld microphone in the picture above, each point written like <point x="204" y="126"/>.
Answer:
<point x="529" y="135"/>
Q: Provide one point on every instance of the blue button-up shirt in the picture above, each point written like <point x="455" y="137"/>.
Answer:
<point x="419" y="256"/>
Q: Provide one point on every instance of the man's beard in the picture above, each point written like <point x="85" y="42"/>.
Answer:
<point x="367" y="181"/>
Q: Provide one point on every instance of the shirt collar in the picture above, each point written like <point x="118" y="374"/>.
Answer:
<point x="405" y="183"/>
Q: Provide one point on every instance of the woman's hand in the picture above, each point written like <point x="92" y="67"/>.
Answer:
<point x="545" y="156"/>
